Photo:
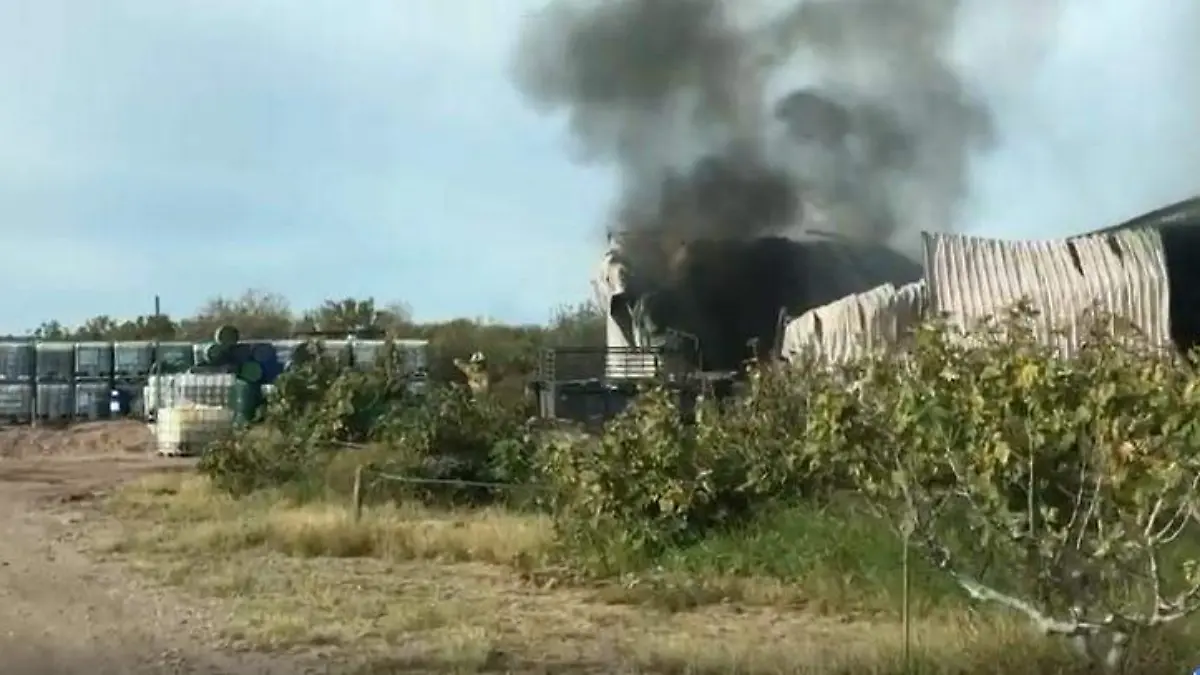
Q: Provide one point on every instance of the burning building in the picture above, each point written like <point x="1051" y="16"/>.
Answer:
<point x="1143" y="271"/>
<point x="728" y="300"/>
<point x="744" y="200"/>
<point x="774" y="158"/>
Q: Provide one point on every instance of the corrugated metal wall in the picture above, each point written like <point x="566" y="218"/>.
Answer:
<point x="856" y="325"/>
<point x="1122" y="273"/>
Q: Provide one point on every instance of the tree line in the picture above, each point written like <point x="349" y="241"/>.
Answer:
<point x="512" y="349"/>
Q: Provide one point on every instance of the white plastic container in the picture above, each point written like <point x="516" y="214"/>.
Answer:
<point x="165" y="391"/>
<point x="186" y="429"/>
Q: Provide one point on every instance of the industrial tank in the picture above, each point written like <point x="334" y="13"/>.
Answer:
<point x="55" y="401"/>
<point x="55" y="361"/>
<point x="92" y="400"/>
<point x="174" y="357"/>
<point x="16" y="402"/>
<point x="17" y="358"/>
<point x="133" y="359"/>
<point x="94" y="360"/>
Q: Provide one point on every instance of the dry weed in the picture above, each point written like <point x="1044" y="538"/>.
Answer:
<point x="410" y="590"/>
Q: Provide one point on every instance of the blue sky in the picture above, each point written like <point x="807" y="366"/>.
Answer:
<point x="331" y="148"/>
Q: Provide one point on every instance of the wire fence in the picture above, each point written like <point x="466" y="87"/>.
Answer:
<point x="364" y="476"/>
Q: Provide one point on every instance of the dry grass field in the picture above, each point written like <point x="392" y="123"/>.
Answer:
<point x="409" y="590"/>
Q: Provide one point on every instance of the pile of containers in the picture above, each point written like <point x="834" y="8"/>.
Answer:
<point x="67" y="381"/>
<point x="191" y="409"/>
<point x="84" y="394"/>
<point x="16" y="382"/>
<point x="54" y="376"/>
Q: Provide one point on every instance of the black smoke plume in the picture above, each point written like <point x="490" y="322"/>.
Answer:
<point x="688" y="98"/>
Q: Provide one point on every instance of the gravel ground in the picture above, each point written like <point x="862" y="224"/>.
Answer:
<point x="61" y="612"/>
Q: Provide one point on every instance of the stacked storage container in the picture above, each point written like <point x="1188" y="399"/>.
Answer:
<point x="285" y="350"/>
<point x="413" y="356"/>
<point x="55" y="374"/>
<point x="207" y="389"/>
<point x="416" y="356"/>
<point x="17" y="360"/>
<point x="366" y="353"/>
<point x="93" y="380"/>
<point x="171" y="361"/>
<point x="191" y="408"/>
<point x="174" y="357"/>
<point x="132" y="363"/>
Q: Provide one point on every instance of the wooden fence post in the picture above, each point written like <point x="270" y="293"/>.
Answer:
<point x="357" y="495"/>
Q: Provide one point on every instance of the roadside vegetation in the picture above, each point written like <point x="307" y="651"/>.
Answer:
<point x="957" y="506"/>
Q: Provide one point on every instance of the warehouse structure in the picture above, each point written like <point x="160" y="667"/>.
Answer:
<point x="839" y="299"/>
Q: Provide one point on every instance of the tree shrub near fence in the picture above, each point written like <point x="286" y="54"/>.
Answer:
<point x="1061" y="490"/>
<point x="319" y="409"/>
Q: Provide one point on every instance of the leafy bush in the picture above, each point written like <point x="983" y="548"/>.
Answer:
<point x="1082" y="473"/>
<point x="786" y="439"/>
<point x="259" y="458"/>
<point x="1077" y="476"/>
<point x="321" y="408"/>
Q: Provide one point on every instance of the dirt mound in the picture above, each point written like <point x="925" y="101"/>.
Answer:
<point x="90" y="438"/>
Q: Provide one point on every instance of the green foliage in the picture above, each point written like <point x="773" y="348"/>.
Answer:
<point x="320" y="409"/>
<point x="1080" y="472"/>
<point x="991" y="450"/>
<point x="259" y="458"/>
<point x="786" y="439"/>
<point x="1074" y="476"/>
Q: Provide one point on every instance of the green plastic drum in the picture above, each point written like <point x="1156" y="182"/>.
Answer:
<point x="250" y="371"/>
<point x="245" y="400"/>
<point x="227" y="335"/>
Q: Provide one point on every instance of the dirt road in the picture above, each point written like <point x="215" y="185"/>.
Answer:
<point x="60" y="612"/>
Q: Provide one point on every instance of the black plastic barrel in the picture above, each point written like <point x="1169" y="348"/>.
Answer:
<point x="216" y="354"/>
<point x="227" y="335"/>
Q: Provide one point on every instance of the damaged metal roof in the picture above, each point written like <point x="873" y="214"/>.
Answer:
<point x="856" y="325"/>
<point x="1122" y="273"/>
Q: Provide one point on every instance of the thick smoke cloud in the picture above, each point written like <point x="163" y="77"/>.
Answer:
<point x="742" y="122"/>
<point x="681" y="96"/>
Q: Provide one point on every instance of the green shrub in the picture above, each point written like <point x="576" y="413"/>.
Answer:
<point x="320" y="408"/>
<point x="260" y="458"/>
<point x="652" y="483"/>
<point x="1048" y="483"/>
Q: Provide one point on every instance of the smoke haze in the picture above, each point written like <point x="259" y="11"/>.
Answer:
<point x="875" y="134"/>
<point x="877" y="118"/>
<point x="871" y="119"/>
